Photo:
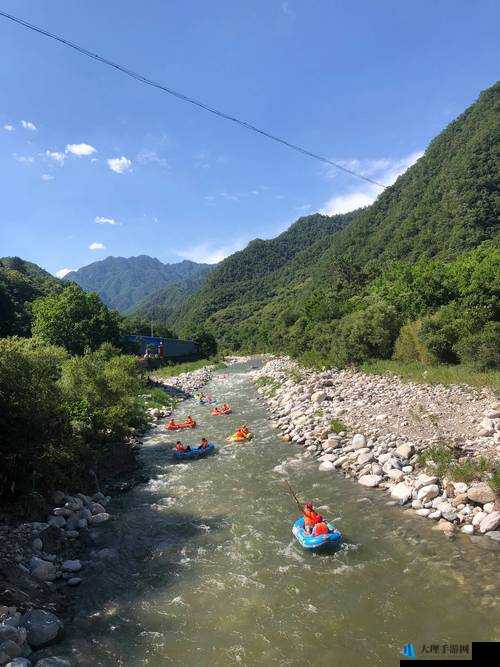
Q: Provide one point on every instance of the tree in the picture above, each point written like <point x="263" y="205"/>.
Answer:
<point x="207" y="345"/>
<point x="74" y="320"/>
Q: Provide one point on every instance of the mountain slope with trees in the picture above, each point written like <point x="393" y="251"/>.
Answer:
<point x="122" y="282"/>
<point x="394" y="264"/>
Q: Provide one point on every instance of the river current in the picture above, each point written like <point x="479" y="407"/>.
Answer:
<point x="204" y="570"/>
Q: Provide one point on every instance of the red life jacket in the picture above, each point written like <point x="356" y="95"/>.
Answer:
<point x="311" y="517"/>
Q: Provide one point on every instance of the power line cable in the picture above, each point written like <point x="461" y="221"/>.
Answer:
<point x="184" y="98"/>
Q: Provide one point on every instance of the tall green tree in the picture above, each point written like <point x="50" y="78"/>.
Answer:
<point x="75" y="320"/>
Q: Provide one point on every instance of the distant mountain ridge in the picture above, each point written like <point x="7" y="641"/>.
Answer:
<point x="124" y="282"/>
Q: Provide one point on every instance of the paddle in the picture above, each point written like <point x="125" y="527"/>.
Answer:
<point x="294" y="495"/>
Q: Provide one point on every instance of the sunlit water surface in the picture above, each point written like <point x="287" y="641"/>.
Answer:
<point x="208" y="572"/>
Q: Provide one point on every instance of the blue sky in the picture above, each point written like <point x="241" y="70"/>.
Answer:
<point x="93" y="163"/>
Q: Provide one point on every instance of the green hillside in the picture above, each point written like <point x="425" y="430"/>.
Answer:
<point x="122" y="282"/>
<point x="21" y="282"/>
<point x="345" y="295"/>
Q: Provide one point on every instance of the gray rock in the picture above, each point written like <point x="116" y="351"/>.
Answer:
<point x="449" y="515"/>
<point x="490" y="522"/>
<point x="72" y="565"/>
<point x="74" y="581"/>
<point x="424" y="480"/>
<point x="460" y="487"/>
<point x="8" y="650"/>
<point x="428" y="492"/>
<point x="9" y="633"/>
<point x="370" y="480"/>
<point x="365" y="457"/>
<point x="57" y="521"/>
<point x="423" y="512"/>
<point x="481" y="493"/>
<point x="53" y="662"/>
<point x="396" y="474"/>
<point x="43" y="571"/>
<point x="468" y="529"/>
<point x="37" y="544"/>
<point x="43" y="627"/>
<point x="326" y="465"/>
<point x="401" y="492"/>
<point x="358" y="441"/>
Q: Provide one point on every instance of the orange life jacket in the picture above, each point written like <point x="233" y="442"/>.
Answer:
<point x="320" y="529"/>
<point x="310" y="517"/>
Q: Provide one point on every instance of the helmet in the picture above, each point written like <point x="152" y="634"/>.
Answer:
<point x="309" y="505"/>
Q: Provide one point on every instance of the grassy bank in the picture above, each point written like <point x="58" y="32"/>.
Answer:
<point x="441" y="374"/>
<point x="188" y="366"/>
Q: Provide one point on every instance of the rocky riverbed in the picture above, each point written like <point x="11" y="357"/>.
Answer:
<point x="42" y="561"/>
<point x="375" y="429"/>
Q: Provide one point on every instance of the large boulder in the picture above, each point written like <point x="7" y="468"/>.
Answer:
<point x="396" y="474"/>
<point x="490" y="522"/>
<point x="370" y="480"/>
<point x="42" y="570"/>
<point x="424" y="480"/>
<point x="326" y="465"/>
<point x="428" y="492"/>
<point x="481" y="493"/>
<point x="365" y="457"/>
<point x="42" y="626"/>
<point x="401" y="492"/>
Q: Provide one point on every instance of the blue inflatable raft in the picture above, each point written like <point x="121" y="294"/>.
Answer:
<point x="310" y="541"/>
<point x="194" y="453"/>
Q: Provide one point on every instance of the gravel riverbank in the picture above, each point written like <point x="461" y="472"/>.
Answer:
<point x="375" y="429"/>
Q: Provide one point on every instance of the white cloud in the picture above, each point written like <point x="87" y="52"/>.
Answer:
<point x="23" y="159"/>
<point x="97" y="246"/>
<point x="47" y="177"/>
<point x="56" y="156"/>
<point x="150" y="157"/>
<point x="211" y="253"/>
<point x="8" y="127"/>
<point x="28" y="125"/>
<point x="63" y="272"/>
<point x="80" y="149"/>
<point x="383" y="170"/>
<point x="101" y="220"/>
<point x="119" y="165"/>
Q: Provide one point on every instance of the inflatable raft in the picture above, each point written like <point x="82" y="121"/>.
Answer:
<point x="312" y="542"/>
<point x="180" y="425"/>
<point x="195" y="453"/>
<point x="237" y="438"/>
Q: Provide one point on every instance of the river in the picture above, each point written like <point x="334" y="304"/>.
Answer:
<point x="207" y="572"/>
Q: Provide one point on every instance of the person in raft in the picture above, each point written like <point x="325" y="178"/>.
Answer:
<point x="242" y="431"/>
<point x="311" y="518"/>
<point x="204" y="444"/>
<point x="171" y="423"/>
<point x="226" y="408"/>
<point x="189" y="420"/>
<point x="179" y="447"/>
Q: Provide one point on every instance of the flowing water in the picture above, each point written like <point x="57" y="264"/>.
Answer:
<point x="207" y="571"/>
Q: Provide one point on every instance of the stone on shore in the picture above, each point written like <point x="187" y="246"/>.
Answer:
<point x="481" y="493"/>
<point x="326" y="465"/>
<point x="53" y="662"/>
<point x="490" y="522"/>
<point x="72" y="565"/>
<point x="358" y="441"/>
<point x="428" y="492"/>
<point x="43" y="627"/>
<point x="401" y="492"/>
<point x="370" y="480"/>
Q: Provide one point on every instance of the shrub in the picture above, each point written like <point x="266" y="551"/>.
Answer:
<point x="482" y="349"/>
<point x="469" y="470"/>
<point x="440" y="455"/>
<point x="408" y="346"/>
<point x="367" y="333"/>
<point x="337" y="426"/>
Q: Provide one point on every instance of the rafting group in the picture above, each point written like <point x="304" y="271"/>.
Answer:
<point x="311" y="530"/>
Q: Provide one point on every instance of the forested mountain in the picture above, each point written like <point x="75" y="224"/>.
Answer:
<point x="122" y="282"/>
<point x="347" y="295"/>
<point x="21" y="283"/>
